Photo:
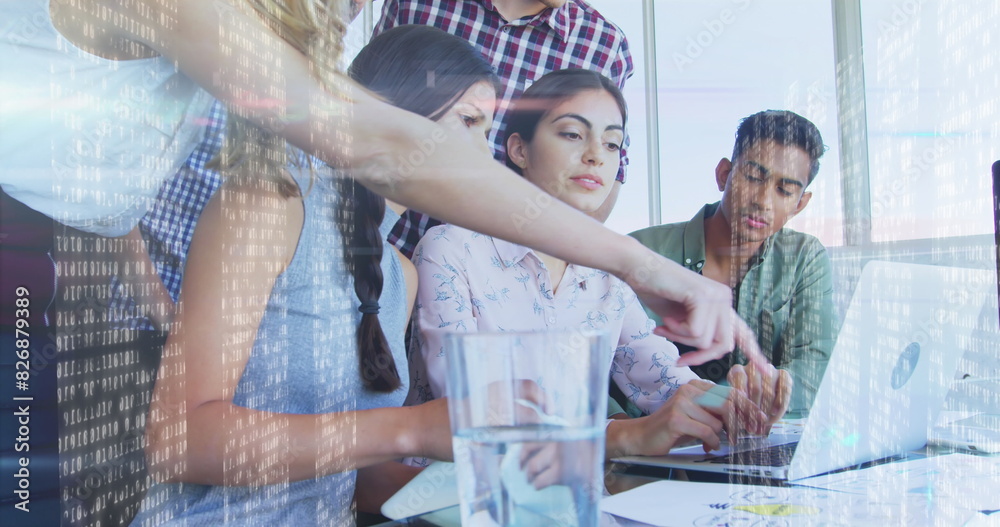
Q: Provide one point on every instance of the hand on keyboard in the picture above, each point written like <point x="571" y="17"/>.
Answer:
<point x="680" y="420"/>
<point x="767" y="387"/>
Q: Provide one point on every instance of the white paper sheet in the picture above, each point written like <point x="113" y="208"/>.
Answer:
<point x="967" y="481"/>
<point x="682" y="504"/>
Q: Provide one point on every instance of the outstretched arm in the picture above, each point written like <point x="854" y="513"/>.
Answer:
<point x="225" y="47"/>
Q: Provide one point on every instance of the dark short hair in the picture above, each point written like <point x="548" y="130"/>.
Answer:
<point x="420" y="69"/>
<point x="785" y="128"/>
<point x="546" y="93"/>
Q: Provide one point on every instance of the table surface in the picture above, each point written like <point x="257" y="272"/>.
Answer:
<point x="615" y="480"/>
<point x="620" y="478"/>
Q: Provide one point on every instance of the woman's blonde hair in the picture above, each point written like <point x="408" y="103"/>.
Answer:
<point x="316" y="28"/>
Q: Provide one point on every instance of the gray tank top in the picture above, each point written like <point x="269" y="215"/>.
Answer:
<point x="304" y="361"/>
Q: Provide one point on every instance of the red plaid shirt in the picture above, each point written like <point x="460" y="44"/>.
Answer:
<point x="572" y="36"/>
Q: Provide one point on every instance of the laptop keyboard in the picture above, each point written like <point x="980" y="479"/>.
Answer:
<point x="775" y="456"/>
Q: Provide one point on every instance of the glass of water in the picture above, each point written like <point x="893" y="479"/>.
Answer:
<point x="527" y="418"/>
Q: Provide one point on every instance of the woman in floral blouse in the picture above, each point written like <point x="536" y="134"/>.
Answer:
<point x="564" y="135"/>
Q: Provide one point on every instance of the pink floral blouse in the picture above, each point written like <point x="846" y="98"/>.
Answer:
<point x="472" y="282"/>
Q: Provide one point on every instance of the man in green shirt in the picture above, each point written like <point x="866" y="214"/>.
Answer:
<point x="781" y="279"/>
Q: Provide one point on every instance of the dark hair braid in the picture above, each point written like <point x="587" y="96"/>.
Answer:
<point x="362" y="212"/>
<point x="396" y="65"/>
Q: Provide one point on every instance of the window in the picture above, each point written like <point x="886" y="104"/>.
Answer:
<point x="933" y="112"/>
<point x="632" y="209"/>
<point x="722" y="60"/>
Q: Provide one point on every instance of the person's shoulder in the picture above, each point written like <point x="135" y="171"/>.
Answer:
<point x="610" y="33"/>
<point x="248" y="214"/>
<point x="442" y="234"/>
<point x="581" y="10"/>
<point x="448" y="231"/>
<point x="395" y="4"/>
<point x="788" y="237"/>
<point x="660" y="235"/>
<point x="804" y="248"/>
<point x="402" y="12"/>
<point x="425" y="6"/>
<point x="448" y="239"/>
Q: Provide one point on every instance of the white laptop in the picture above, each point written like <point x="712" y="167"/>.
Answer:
<point x="894" y="361"/>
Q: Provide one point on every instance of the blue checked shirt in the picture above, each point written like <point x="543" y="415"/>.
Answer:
<point x="168" y="227"/>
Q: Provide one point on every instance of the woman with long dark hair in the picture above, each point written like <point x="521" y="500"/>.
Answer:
<point x="563" y="135"/>
<point x="418" y="69"/>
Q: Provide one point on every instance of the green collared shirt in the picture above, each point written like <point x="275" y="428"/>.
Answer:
<point x="786" y="297"/>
